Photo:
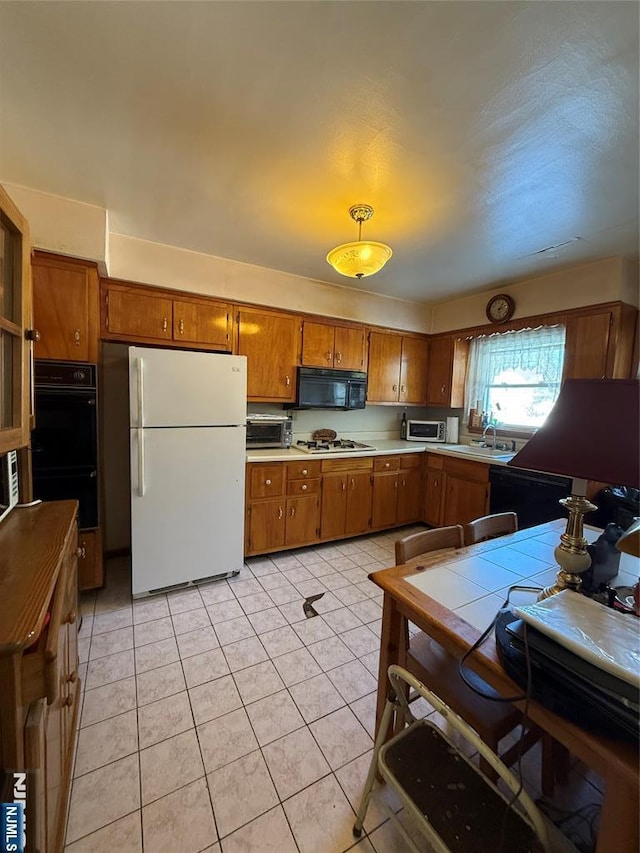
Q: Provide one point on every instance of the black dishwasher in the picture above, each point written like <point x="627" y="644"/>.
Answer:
<point x="533" y="496"/>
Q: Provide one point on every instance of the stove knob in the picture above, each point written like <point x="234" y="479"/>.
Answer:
<point x="79" y="375"/>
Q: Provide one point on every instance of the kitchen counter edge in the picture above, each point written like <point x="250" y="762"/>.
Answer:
<point x="383" y="448"/>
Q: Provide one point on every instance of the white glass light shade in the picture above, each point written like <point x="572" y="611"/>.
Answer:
<point x="359" y="259"/>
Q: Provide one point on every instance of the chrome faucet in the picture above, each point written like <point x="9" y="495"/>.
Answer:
<point x="495" y="434"/>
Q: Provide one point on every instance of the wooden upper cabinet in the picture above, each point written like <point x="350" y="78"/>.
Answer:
<point x="136" y="315"/>
<point x="447" y="370"/>
<point x="397" y="368"/>
<point x="271" y="343"/>
<point x="383" y="376"/>
<point x="341" y="347"/>
<point x="202" y="323"/>
<point x="350" y="348"/>
<point x="600" y="344"/>
<point x="413" y="370"/>
<point x="65" y="308"/>
<point x="151" y="315"/>
<point x="15" y="318"/>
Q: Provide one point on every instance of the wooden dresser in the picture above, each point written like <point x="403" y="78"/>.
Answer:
<point x="39" y="684"/>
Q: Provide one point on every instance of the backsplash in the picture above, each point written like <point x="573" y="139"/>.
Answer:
<point x="368" y="424"/>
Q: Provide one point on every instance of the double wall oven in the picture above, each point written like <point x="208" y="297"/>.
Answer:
<point x="64" y="443"/>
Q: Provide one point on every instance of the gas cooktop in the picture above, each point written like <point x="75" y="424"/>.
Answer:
<point x="339" y="445"/>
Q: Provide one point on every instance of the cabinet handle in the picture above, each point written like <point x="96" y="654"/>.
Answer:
<point x="32" y="335"/>
<point x="287" y="381"/>
<point x="338" y="358"/>
<point x="72" y="678"/>
<point x="386" y="464"/>
<point x="181" y="327"/>
<point x="304" y="472"/>
<point x="395" y="484"/>
<point x="165" y="324"/>
<point x="344" y="485"/>
<point x="329" y="356"/>
<point x="353" y="483"/>
<point x="280" y="513"/>
<point x="76" y="337"/>
<point x="293" y="512"/>
<point x="267" y="482"/>
<point x="395" y="387"/>
<point x="436" y="482"/>
<point x="68" y="701"/>
<point x="71" y="617"/>
<point x="442" y="390"/>
<point x="304" y="487"/>
<point x="403" y="388"/>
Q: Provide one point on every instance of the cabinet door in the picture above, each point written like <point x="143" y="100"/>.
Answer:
<point x="409" y="508"/>
<point x="587" y="346"/>
<point x="464" y="500"/>
<point x="202" y="323"/>
<point x="317" y="344"/>
<point x="349" y="349"/>
<point x="413" y="370"/>
<point x="359" y="499"/>
<point x="334" y="505"/>
<point x="65" y="309"/>
<point x="433" y="497"/>
<point x="266" y="524"/>
<point x="90" y="564"/>
<point x="385" y="500"/>
<point x="270" y="342"/>
<point x="139" y="315"/>
<point x="303" y="516"/>
<point x="383" y="379"/>
<point x="15" y="317"/>
<point x="439" y="373"/>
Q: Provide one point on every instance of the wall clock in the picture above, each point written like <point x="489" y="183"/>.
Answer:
<point x="500" y="308"/>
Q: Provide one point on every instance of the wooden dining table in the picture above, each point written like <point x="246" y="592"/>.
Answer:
<point x="443" y="606"/>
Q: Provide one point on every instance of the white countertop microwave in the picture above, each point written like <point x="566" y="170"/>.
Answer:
<point x="426" y="431"/>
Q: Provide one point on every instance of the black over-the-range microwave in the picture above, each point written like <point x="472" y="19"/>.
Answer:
<point x="322" y="388"/>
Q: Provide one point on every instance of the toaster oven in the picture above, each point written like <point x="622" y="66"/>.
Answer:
<point x="265" y="431"/>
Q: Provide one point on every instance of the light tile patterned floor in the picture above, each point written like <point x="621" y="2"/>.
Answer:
<point x="221" y="720"/>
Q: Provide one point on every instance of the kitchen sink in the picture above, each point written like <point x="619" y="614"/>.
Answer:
<point x="476" y="450"/>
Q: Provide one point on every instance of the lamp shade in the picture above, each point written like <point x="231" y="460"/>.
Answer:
<point x="359" y="259"/>
<point x="592" y="433"/>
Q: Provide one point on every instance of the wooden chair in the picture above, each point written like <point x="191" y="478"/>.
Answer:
<point x="428" y="540"/>
<point x="490" y="527"/>
<point x="433" y="666"/>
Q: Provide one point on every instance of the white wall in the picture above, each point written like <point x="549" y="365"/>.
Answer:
<point x="605" y="280"/>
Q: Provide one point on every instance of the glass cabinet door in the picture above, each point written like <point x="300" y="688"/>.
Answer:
<point x="15" y="307"/>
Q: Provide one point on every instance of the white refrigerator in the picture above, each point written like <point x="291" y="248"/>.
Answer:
<point x="188" y="449"/>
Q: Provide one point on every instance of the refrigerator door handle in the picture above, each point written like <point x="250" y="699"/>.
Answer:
<point x="141" y="485"/>
<point x="140" y="392"/>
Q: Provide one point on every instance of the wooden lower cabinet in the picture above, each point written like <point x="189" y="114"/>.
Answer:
<point x="38" y="715"/>
<point x="409" y="495"/>
<point x="266" y="526"/>
<point x="456" y="490"/>
<point x="90" y="561"/>
<point x="346" y="504"/>
<point x="385" y="500"/>
<point x="302" y="520"/>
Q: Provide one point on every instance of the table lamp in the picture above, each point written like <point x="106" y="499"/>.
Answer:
<point x="591" y="433"/>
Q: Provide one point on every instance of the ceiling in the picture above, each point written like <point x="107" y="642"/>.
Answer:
<point x="484" y="134"/>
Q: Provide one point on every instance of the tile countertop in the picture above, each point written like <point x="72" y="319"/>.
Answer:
<point x="383" y="447"/>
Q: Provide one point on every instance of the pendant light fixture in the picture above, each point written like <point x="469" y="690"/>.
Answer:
<point x="363" y="257"/>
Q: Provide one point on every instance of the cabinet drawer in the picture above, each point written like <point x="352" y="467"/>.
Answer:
<point x="386" y="463"/>
<point x="303" y="469"/>
<point x="267" y="481"/>
<point x="434" y="461"/>
<point x="411" y="460"/>
<point x="303" y="487"/>
<point x="364" y="463"/>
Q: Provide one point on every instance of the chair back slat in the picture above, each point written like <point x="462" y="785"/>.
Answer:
<point x="490" y="526"/>
<point x="428" y="540"/>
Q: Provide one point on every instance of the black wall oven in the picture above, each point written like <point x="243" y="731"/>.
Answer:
<point x="64" y="443"/>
